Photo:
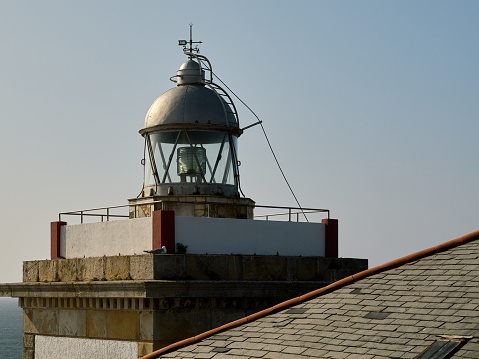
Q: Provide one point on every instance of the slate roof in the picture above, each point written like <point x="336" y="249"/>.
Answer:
<point x="392" y="311"/>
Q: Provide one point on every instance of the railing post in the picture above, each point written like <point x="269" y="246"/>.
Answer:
<point x="289" y="214"/>
<point x="81" y="217"/>
<point x="107" y="215"/>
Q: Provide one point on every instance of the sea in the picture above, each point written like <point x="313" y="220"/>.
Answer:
<point x="11" y="336"/>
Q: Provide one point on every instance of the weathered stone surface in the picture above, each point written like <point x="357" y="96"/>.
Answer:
<point x="141" y="267"/>
<point x="44" y="321"/>
<point x="170" y="267"/>
<point x="145" y="348"/>
<point x="29" y="341"/>
<point x="28" y="354"/>
<point x="202" y="267"/>
<point x="95" y="324"/>
<point x="67" y="270"/>
<point x="264" y="267"/>
<point x="174" y="326"/>
<point x="117" y="267"/>
<point x="194" y="267"/>
<point x="72" y="322"/>
<point x="30" y="271"/>
<point x="90" y="268"/>
<point x="47" y="271"/>
<point x="220" y="206"/>
<point x="28" y="326"/>
<point x="123" y="324"/>
<point x="146" y="325"/>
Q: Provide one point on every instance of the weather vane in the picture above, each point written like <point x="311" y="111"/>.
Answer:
<point x="184" y="43"/>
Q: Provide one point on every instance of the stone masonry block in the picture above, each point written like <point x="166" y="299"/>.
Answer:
<point x="292" y="268"/>
<point x="95" y="324"/>
<point x="174" y="326"/>
<point x="40" y="321"/>
<point x="146" y="325"/>
<point x="170" y="266"/>
<point x="47" y="271"/>
<point x="28" y="354"/>
<point x="204" y="268"/>
<point x="264" y="267"/>
<point x="147" y="347"/>
<point x="312" y="268"/>
<point x="30" y="271"/>
<point x="90" y="268"/>
<point x="28" y="326"/>
<point x="72" y="322"/>
<point x="117" y="267"/>
<point x="29" y="341"/>
<point x="46" y="321"/>
<point x="123" y="324"/>
<point x="67" y="270"/>
<point x="141" y="267"/>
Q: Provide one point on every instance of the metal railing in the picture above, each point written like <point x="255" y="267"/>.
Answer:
<point x="291" y="211"/>
<point x="290" y="214"/>
<point x="82" y="213"/>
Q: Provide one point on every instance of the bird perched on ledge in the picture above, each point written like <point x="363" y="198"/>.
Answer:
<point x="161" y="250"/>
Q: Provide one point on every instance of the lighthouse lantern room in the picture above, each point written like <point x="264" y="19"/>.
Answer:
<point x="191" y="156"/>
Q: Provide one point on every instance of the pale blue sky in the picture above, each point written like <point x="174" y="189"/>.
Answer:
<point x="372" y="108"/>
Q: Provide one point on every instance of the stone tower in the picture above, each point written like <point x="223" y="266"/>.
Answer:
<point x="208" y="260"/>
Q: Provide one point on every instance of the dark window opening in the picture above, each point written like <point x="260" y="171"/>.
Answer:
<point x="442" y="348"/>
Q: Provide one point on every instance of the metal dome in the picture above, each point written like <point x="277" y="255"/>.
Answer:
<point x="190" y="65"/>
<point x="190" y="72"/>
<point x="189" y="104"/>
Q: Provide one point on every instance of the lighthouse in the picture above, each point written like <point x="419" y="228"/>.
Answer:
<point x="190" y="158"/>
<point x="186" y="255"/>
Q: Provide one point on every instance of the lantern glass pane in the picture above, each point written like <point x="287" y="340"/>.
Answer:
<point x="196" y="156"/>
<point x="149" y="179"/>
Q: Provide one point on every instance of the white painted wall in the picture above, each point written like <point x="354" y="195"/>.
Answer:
<point x="242" y="236"/>
<point x="201" y="235"/>
<point x="125" y="237"/>
<point x="47" y="347"/>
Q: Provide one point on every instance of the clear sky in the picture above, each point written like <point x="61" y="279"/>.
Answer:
<point x="372" y="108"/>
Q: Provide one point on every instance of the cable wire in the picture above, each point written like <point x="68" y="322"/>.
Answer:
<point x="269" y="144"/>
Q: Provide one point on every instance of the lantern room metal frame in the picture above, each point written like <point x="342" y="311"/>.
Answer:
<point x="163" y="141"/>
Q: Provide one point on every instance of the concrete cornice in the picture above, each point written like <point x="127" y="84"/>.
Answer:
<point x="157" y="289"/>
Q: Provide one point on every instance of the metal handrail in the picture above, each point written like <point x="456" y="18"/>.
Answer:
<point x="82" y="213"/>
<point x="289" y="213"/>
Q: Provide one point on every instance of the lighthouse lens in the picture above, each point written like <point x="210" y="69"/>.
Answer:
<point x="191" y="161"/>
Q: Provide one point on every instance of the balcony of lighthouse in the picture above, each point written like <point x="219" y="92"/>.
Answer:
<point x="136" y="228"/>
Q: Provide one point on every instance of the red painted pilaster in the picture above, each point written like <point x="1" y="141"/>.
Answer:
<point x="331" y="238"/>
<point x="55" y="238"/>
<point x="164" y="230"/>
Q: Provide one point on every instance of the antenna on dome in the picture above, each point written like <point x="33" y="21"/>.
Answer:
<point x="191" y="49"/>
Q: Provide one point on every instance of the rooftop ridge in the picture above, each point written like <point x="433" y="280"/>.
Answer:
<point x="336" y="285"/>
